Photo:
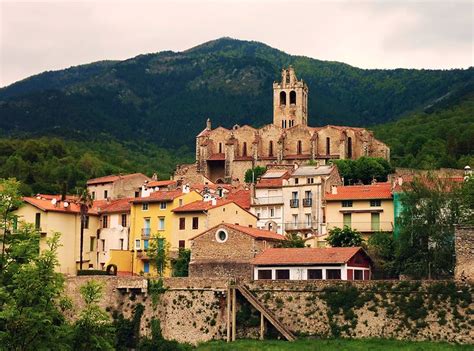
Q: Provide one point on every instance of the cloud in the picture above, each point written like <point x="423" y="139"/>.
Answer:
<point x="37" y="36"/>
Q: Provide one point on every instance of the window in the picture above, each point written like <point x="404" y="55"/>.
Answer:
<point x="92" y="244"/>
<point x="349" y="147"/>
<point x="299" y="147"/>
<point x="310" y="180"/>
<point x="292" y="97"/>
<point x="220" y="148"/>
<point x="137" y="244"/>
<point x="195" y="222"/>
<point x="307" y="194"/>
<point x="137" y="194"/>
<point x="105" y="221"/>
<point x="333" y="274"/>
<point x="182" y="223"/>
<point x="106" y="194"/>
<point x="282" y="98"/>
<point x="272" y="212"/>
<point x="264" y="274"/>
<point x="161" y="223"/>
<point x="180" y="202"/>
<point x="38" y="221"/>
<point x="358" y="274"/>
<point x="270" y="148"/>
<point x="103" y="244"/>
<point x="222" y="236"/>
<point x="162" y="205"/>
<point x="93" y="195"/>
<point x="315" y="274"/>
<point x="308" y="219"/>
<point x="146" y="267"/>
<point x="375" y="221"/>
<point x="282" y="274"/>
<point x="346" y="220"/>
<point x="347" y="203"/>
<point x="295" y="219"/>
<point x="328" y="146"/>
<point x="121" y="244"/>
<point x="296" y="181"/>
<point x="145" y="244"/>
<point x="294" y="195"/>
<point x="86" y="222"/>
<point x="146" y="227"/>
<point x="145" y="206"/>
<point x="375" y="203"/>
<point x="244" y="149"/>
<point x="182" y="244"/>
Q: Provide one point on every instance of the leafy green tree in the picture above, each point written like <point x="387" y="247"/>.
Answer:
<point x="364" y="170"/>
<point x="180" y="264"/>
<point x="381" y="248"/>
<point x="292" y="240"/>
<point x="252" y="174"/>
<point x="158" y="252"/>
<point x="345" y="237"/>
<point x="93" y="330"/>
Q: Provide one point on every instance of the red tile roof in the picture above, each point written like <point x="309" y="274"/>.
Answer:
<point x="361" y="192"/>
<point x="217" y="157"/>
<point x="199" y="206"/>
<point x="160" y="196"/>
<point x="270" y="183"/>
<point x="240" y="197"/>
<point x="159" y="183"/>
<point x="305" y="256"/>
<point x="112" y="178"/>
<point x="254" y="232"/>
<point x="114" y="206"/>
<point x="44" y="203"/>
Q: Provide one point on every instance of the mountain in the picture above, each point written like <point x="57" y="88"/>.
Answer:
<point x="165" y="98"/>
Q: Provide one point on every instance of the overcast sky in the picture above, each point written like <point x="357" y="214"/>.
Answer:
<point x="36" y="36"/>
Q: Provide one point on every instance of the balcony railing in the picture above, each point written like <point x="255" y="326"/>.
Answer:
<point x="142" y="254"/>
<point x="299" y="226"/>
<point x="385" y="226"/>
<point x="294" y="203"/>
<point x="308" y="202"/>
<point x="146" y="233"/>
<point x="270" y="200"/>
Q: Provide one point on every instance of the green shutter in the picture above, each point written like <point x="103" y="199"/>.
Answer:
<point x="375" y="221"/>
<point x="347" y="220"/>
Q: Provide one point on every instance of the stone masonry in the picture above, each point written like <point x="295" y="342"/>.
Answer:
<point x="464" y="246"/>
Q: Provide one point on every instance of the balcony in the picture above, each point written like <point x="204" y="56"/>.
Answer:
<point x="270" y="200"/>
<point x="146" y="233"/>
<point x="142" y="254"/>
<point x="294" y="203"/>
<point x="363" y="226"/>
<point x="299" y="226"/>
<point x="308" y="202"/>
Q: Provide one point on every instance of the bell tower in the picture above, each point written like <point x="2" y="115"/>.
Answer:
<point x="290" y="100"/>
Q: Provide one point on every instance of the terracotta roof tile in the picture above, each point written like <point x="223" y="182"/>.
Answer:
<point x="112" y="178"/>
<point x="254" y="232"/>
<point x="114" y="206"/>
<point x="240" y="197"/>
<point x="158" y="183"/>
<point x="361" y="192"/>
<point x="217" y="157"/>
<point x="44" y="203"/>
<point x="303" y="256"/>
<point x="160" y="196"/>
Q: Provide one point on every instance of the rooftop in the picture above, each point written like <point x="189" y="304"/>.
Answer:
<point x="361" y="192"/>
<point x="254" y="232"/>
<point x="305" y="256"/>
<point x="160" y="196"/>
<point x="312" y="171"/>
<point x="112" y="178"/>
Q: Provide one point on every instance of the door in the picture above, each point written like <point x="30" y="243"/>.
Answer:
<point x="375" y="221"/>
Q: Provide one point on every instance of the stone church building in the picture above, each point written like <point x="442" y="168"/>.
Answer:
<point x="224" y="155"/>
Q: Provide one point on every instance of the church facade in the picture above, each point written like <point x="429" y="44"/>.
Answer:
<point x="224" y="155"/>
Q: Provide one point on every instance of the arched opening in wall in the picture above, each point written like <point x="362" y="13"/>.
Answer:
<point x="220" y="148"/>
<point x="219" y="181"/>
<point x="328" y="146"/>
<point x="349" y="147"/>
<point x="292" y="97"/>
<point x="299" y="147"/>
<point x="282" y="98"/>
<point x="244" y="149"/>
<point x="270" y="148"/>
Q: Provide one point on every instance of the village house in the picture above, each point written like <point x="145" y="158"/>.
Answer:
<point x="226" y="250"/>
<point x="116" y="186"/>
<point x="366" y="208"/>
<point x="335" y="263"/>
<point x="224" y="155"/>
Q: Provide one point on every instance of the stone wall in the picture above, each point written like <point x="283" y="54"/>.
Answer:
<point x="194" y="309"/>
<point x="220" y="269"/>
<point x="464" y="246"/>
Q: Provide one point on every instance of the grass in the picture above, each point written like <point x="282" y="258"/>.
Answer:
<point x="331" y="345"/>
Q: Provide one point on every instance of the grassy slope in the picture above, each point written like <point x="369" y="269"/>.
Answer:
<point x="332" y="345"/>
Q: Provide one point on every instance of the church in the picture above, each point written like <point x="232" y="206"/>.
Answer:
<point x="224" y="155"/>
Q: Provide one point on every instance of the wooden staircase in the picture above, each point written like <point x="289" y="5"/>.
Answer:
<point x="265" y="312"/>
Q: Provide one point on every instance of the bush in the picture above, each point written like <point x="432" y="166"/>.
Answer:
<point x="91" y="272"/>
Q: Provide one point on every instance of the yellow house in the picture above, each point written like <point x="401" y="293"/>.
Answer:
<point x="199" y="216"/>
<point x="49" y="214"/>
<point x="152" y="215"/>
<point x="366" y="208"/>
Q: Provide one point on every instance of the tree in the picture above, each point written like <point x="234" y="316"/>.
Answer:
<point x="292" y="240"/>
<point x="252" y="174"/>
<point x="85" y="202"/>
<point x="364" y="169"/>
<point x="381" y="249"/>
<point x="181" y="263"/>
<point x="345" y="237"/>
<point x="93" y="330"/>
<point x="158" y="253"/>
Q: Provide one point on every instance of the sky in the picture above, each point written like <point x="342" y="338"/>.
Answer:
<point x="36" y="36"/>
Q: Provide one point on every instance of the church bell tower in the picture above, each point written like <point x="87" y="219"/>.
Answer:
<point x="290" y="100"/>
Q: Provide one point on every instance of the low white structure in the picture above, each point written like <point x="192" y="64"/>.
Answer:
<point x="339" y="263"/>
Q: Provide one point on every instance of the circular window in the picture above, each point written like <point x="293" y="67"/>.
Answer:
<point x="222" y="236"/>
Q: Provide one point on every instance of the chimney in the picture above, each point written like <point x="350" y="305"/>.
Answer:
<point x="400" y="181"/>
<point x="333" y="189"/>
<point x="208" y="124"/>
<point x="213" y="201"/>
<point x="154" y="176"/>
<point x="63" y="191"/>
<point x="185" y="188"/>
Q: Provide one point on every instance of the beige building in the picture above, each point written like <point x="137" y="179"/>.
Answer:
<point x="366" y="208"/>
<point x="224" y="155"/>
<point x="116" y="186"/>
<point x="198" y="216"/>
<point x="303" y="196"/>
<point x="50" y="214"/>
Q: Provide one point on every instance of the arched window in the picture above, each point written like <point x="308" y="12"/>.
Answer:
<point x="282" y="98"/>
<point x="270" y="148"/>
<point x="244" y="149"/>
<point x="349" y="147"/>
<point x="299" y="147"/>
<point x="292" y="97"/>
<point x="220" y="148"/>
<point x="328" y="146"/>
